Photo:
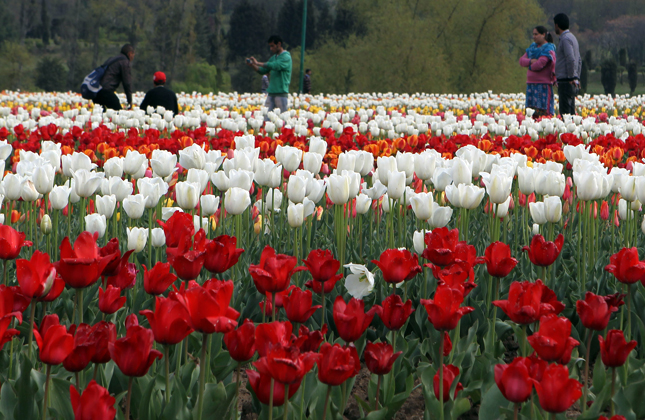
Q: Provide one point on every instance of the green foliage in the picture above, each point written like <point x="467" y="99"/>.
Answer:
<point x="15" y="67"/>
<point x="201" y="77"/>
<point x="51" y="74"/>
<point x="608" y="78"/>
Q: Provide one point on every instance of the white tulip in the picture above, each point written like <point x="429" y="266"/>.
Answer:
<point x="376" y="191"/>
<point x="59" y="196"/>
<point x="622" y="210"/>
<point x="385" y="203"/>
<point x="441" y="216"/>
<point x="12" y="185"/>
<point x="498" y="187"/>
<point x="501" y="210"/>
<point x="396" y="184"/>
<point x="240" y="179"/>
<point x="6" y="149"/>
<point x="204" y="224"/>
<point x="422" y="205"/>
<point x="312" y="162"/>
<point x="95" y="223"/>
<point x="43" y="178"/>
<point x="221" y="181"/>
<point x="526" y="180"/>
<point x="152" y="189"/>
<point x="461" y="171"/>
<point x="267" y="173"/>
<point x="73" y="197"/>
<point x="627" y="188"/>
<point x="643" y="225"/>
<point x="290" y="157"/>
<point x="346" y="162"/>
<point x="45" y="224"/>
<point x="29" y="192"/>
<point x="296" y="188"/>
<point x="536" y="229"/>
<point x="236" y="200"/>
<point x="209" y="204"/>
<point x="273" y="200"/>
<point x="553" y="209"/>
<point x="465" y="196"/>
<point x="158" y="237"/>
<point x="2" y="219"/>
<point x="120" y="188"/>
<point x="295" y="214"/>
<point x="215" y="157"/>
<point x="405" y="163"/>
<point x="187" y="194"/>
<point x="76" y="161"/>
<point x="385" y="165"/>
<point x="134" y="205"/>
<point x="105" y="205"/>
<point x="86" y="182"/>
<point x="317" y="190"/>
<point x="163" y="163"/>
<point x="114" y="167"/>
<point x="538" y="213"/>
<point x="360" y="283"/>
<point x="338" y="188"/>
<point x="363" y="203"/>
<point x="418" y="240"/>
<point x="167" y="212"/>
<point x="199" y="176"/>
<point x="317" y="145"/>
<point x="441" y="178"/>
<point x="424" y="165"/>
<point x="133" y="161"/>
<point x="192" y="156"/>
<point x="137" y="239"/>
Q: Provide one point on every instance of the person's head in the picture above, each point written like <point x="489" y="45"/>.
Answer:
<point x="159" y="79"/>
<point x="308" y="71"/>
<point x="541" y="35"/>
<point x="275" y="44"/>
<point x="128" y="51"/>
<point x="561" y="23"/>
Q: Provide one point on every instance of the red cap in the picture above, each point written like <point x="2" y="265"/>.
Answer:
<point x="160" y="77"/>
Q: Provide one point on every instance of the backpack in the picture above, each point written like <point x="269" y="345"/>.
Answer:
<point x="92" y="83"/>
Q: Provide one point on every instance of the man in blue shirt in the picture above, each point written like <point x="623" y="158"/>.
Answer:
<point x="567" y="65"/>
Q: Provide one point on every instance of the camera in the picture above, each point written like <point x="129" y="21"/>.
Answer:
<point x="248" y="60"/>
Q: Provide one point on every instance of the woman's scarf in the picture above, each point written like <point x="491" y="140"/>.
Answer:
<point x="535" y="51"/>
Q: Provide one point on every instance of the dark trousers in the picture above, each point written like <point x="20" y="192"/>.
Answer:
<point x="107" y="99"/>
<point x="567" y="93"/>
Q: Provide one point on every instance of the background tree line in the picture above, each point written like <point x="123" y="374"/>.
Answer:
<point x="351" y="45"/>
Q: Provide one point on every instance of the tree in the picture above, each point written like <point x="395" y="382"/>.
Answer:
<point x="589" y="59"/>
<point x="584" y="76"/>
<point x="290" y="23"/>
<point x="608" y="75"/>
<point x="44" y="20"/>
<point x="632" y="76"/>
<point x="51" y="74"/>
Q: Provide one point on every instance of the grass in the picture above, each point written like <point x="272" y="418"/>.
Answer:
<point x="594" y="86"/>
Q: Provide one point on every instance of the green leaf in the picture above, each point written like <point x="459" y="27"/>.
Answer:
<point x="25" y="391"/>
<point x="59" y="399"/>
<point x="491" y="403"/>
<point x="635" y="395"/>
<point x="460" y="406"/>
<point x="146" y="410"/>
<point x="8" y="401"/>
<point x="176" y="408"/>
<point x="377" y="415"/>
<point x="599" y="375"/>
<point x="622" y="406"/>
<point x="216" y="401"/>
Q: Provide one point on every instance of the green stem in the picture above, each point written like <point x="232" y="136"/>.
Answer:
<point x="202" y="372"/>
<point x="324" y="417"/>
<point x="286" y="402"/>
<point x="524" y="341"/>
<point x="271" y="399"/>
<point x="516" y="410"/>
<point x="45" y="401"/>
<point x="629" y="312"/>
<point x="613" y="388"/>
<point x="166" y="350"/>
<point x="32" y="314"/>
<point x="237" y="391"/>
<point x="79" y="304"/>
<point x="128" y="398"/>
<point x="378" y="388"/>
<point x="4" y="273"/>
<point x="150" y="226"/>
<point x="441" y="377"/>
<point x="586" y="377"/>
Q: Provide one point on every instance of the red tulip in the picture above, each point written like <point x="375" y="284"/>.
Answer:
<point x="273" y="274"/>
<point x="20" y="301"/>
<point x="615" y="300"/>
<point x="178" y="226"/>
<point x="222" y="254"/>
<point x="514" y="380"/>
<point x="271" y="334"/>
<point x="594" y="312"/>
<point x="35" y="276"/>
<point x="110" y="300"/>
<point x="351" y="319"/>
<point x="528" y="301"/>
<point x="298" y="305"/>
<point x="337" y="364"/>
<point x="81" y="266"/>
<point x="544" y="253"/>
<point x="208" y="306"/>
<point x="458" y="275"/>
<point x="395" y="313"/>
<point x="441" y="244"/>
<point x="447" y="344"/>
<point x="84" y="349"/>
<point x="450" y="372"/>
<point x="54" y="342"/>
<point x="604" y="210"/>
<point x="111" y="250"/>
<point x="188" y="262"/>
<point x="125" y="275"/>
<point x="553" y="341"/>
<point x="56" y="289"/>
<point x="626" y="267"/>
<point x="614" y="350"/>
<point x="157" y="280"/>
<point x="499" y="262"/>
<point x="616" y="417"/>
<point x="95" y="403"/>
<point x="398" y="265"/>
<point x="261" y="384"/>
<point x="286" y="364"/>
<point x="317" y="286"/>
<point x="169" y="321"/>
<point x="102" y="333"/>
<point x="240" y="343"/>
<point x="444" y="311"/>
<point x="380" y="357"/>
<point x="310" y="340"/>
<point x="11" y="242"/>
<point x="536" y="366"/>
<point x="266" y="305"/>
<point x="133" y="353"/>
<point x="322" y="266"/>
<point x="6" y="314"/>
<point x="557" y="392"/>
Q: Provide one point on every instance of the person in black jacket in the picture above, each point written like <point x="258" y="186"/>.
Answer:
<point x="160" y="95"/>
<point x="117" y="72"/>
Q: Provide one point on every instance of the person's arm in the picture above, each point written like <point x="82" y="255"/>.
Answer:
<point x="541" y="63"/>
<point x="569" y="60"/>
<point x="127" y="81"/>
<point x="282" y="62"/>
<point x="524" y="60"/>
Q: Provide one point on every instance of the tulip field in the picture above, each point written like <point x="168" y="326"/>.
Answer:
<point x="373" y="256"/>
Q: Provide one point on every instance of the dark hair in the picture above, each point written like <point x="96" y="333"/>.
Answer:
<point x="275" y="39"/>
<point x="307" y="71"/>
<point x="562" y="21"/>
<point x="127" y="49"/>
<point x="543" y="31"/>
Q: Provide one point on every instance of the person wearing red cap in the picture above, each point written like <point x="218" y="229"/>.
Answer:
<point x="160" y="95"/>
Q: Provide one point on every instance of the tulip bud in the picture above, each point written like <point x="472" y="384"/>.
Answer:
<point x="158" y="237"/>
<point x="418" y="240"/>
<point x="536" y="229"/>
<point x="137" y="239"/>
<point x="45" y="224"/>
<point x="96" y="223"/>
